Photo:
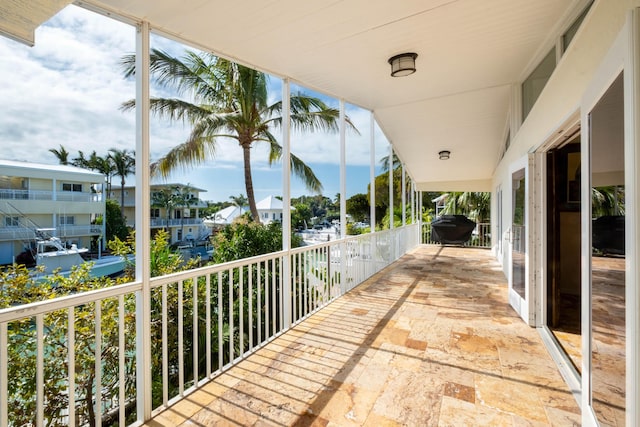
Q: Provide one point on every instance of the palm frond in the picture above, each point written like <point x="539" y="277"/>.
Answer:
<point x="186" y="155"/>
<point x="298" y="168"/>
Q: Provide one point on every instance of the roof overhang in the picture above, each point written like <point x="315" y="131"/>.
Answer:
<point x="471" y="56"/>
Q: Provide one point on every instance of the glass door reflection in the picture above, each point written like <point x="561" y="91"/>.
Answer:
<point x="518" y="234"/>
<point x="608" y="332"/>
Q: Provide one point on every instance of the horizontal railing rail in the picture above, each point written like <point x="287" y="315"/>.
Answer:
<point x="83" y="348"/>
<point x="480" y="237"/>
<point x="27" y="234"/>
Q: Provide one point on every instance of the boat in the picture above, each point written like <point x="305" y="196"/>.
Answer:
<point x="52" y="255"/>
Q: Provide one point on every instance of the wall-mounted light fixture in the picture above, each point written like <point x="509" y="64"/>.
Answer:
<point x="444" y="155"/>
<point x="403" y="64"/>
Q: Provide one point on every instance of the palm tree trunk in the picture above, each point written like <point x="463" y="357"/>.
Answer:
<point x="122" y="197"/>
<point x="248" y="181"/>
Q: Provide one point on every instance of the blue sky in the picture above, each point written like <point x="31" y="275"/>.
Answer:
<point x="67" y="90"/>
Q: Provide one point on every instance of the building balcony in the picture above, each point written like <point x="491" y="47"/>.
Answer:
<point x="63" y="196"/>
<point x="160" y="222"/>
<point x="28" y="234"/>
<point x="373" y="330"/>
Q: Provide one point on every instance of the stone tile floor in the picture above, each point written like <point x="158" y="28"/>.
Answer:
<point x="429" y="341"/>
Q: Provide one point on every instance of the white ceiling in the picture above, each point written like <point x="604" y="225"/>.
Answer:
<point x="470" y="52"/>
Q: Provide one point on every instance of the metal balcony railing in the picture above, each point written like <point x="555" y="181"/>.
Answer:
<point x="75" y="359"/>
<point x="26" y="233"/>
<point x="480" y="237"/>
<point x="159" y="222"/>
<point x="64" y="196"/>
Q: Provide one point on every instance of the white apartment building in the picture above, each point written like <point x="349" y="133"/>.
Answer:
<point x="182" y="220"/>
<point x="64" y="201"/>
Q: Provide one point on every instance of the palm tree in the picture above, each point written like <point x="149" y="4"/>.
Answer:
<point x="240" y="200"/>
<point x="384" y="162"/>
<point x="185" y="199"/>
<point x="476" y="205"/>
<point x="105" y="166"/>
<point x="166" y="198"/>
<point x="124" y="163"/>
<point x="62" y="154"/>
<point x="229" y="101"/>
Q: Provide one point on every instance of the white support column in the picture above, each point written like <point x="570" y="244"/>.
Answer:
<point x="420" y="240"/>
<point x="286" y="201"/>
<point x="103" y="241"/>
<point x="372" y="174"/>
<point x="343" y="197"/>
<point x="143" y="224"/>
<point x="390" y="186"/>
<point x="404" y="196"/>
<point x="413" y="202"/>
<point x="343" y="172"/>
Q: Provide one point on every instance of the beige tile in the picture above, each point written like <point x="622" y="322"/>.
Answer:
<point x="429" y="341"/>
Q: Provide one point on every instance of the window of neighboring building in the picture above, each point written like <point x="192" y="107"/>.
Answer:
<point x="67" y="220"/>
<point x="573" y="29"/>
<point x="155" y="213"/>
<point x="12" y="221"/>
<point x="66" y="186"/>
<point x="533" y="85"/>
<point x="177" y="214"/>
<point x="265" y="215"/>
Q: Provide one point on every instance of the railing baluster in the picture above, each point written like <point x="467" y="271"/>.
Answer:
<point x="4" y="377"/>
<point x="259" y="310"/>
<point x="231" y="316"/>
<point x="165" y="348"/>
<point x="39" y="370"/>
<point x="294" y="282"/>
<point x="250" y="295"/>
<point x="273" y="298"/>
<point x="180" y="338"/>
<point x="241" y="309"/>
<point x="266" y="300"/>
<point x="121" y="360"/>
<point x="71" y="364"/>
<point x="194" y="283"/>
<point x="208" y="324"/>
<point x="282" y="285"/>
<point x="98" y="363"/>
<point x="220" y="332"/>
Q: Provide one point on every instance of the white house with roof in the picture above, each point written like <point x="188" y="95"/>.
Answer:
<point x="269" y="210"/>
<point x="59" y="200"/>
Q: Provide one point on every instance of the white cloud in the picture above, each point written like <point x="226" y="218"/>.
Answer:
<point x="68" y="89"/>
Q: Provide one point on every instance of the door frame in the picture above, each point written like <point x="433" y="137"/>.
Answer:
<point x="524" y="306"/>
<point x="623" y="56"/>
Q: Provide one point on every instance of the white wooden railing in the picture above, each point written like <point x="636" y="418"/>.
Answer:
<point x="73" y="359"/>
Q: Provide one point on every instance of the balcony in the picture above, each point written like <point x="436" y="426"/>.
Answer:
<point x="63" y="196"/>
<point x="29" y="234"/>
<point x="159" y="222"/>
<point x="357" y="339"/>
<point x="429" y="341"/>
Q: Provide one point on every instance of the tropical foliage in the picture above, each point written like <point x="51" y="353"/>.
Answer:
<point x="475" y="205"/>
<point x="228" y="101"/>
<point x="18" y="286"/>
